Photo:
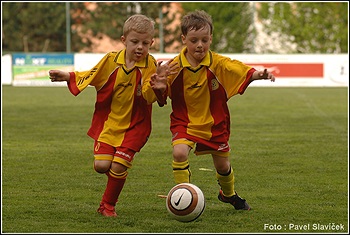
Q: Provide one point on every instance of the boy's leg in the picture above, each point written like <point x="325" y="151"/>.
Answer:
<point x="180" y="164"/>
<point x="115" y="184"/>
<point x="227" y="192"/>
<point x="117" y="174"/>
<point x="224" y="173"/>
<point x="226" y="182"/>
<point x="181" y="171"/>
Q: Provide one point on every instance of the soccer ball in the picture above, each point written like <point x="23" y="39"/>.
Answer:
<point x="185" y="202"/>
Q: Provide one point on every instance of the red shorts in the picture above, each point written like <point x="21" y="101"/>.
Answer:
<point x="202" y="146"/>
<point x="103" y="151"/>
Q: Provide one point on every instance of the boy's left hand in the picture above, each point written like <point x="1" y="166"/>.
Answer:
<point x="167" y="69"/>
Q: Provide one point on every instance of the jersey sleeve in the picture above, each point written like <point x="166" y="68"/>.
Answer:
<point x="97" y="76"/>
<point x="232" y="74"/>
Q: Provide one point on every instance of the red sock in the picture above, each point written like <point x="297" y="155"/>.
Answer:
<point x="113" y="189"/>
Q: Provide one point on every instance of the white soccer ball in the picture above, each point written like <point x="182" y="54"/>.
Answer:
<point x="185" y="202"/>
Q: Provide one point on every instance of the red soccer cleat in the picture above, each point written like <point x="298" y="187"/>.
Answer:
<point x="107" y="210"/>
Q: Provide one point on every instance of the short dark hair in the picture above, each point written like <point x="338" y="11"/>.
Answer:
<point x="196" y="20"/>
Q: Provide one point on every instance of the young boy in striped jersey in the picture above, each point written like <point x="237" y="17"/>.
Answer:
<point x="127" y="83"/>
<point x="199" y="93"/>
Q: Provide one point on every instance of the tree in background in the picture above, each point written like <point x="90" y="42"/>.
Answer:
<point x="314" y="27"/>
<point x="91" y="20"/>
<point x="33" y="26"/>
<point x="233" y="21"/>
<point x="311" y="27"/>
<point x="41" y="26"/>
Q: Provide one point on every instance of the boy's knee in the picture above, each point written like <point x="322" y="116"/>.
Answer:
<point x="180" y="152"/>
<point x="119" y="168"/>
<point x="102" y="166"/>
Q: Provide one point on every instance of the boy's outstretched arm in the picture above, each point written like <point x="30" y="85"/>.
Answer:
<point x="263" y="75"/>
<point x="59" y="76"/>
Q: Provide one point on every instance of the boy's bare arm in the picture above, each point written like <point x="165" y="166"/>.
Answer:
<point x="59" y="76"/>
<point x="263" y="75"/>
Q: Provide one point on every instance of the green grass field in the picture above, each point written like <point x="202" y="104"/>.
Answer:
<point x="289" y="153"/>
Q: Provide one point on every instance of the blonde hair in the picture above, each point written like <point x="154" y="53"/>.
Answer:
<point x="140" y="24"/>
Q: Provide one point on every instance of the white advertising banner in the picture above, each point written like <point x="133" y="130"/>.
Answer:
<point x="290" y="70"/>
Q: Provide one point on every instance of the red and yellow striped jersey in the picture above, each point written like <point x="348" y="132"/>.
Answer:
<point x="123" y="107"/>
<point x="199" y="95"/>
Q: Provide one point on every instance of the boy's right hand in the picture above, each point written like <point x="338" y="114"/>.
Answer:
<point x="159" y="79"/>
<point x="158" y="82"/>
<point x="59" y="76"/>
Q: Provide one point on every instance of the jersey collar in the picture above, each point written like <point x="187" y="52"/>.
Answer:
<point x="120" y="59"/>
<point x="207" y="60"/>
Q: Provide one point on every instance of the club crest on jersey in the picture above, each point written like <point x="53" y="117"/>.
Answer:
<point x="214" y="84"/>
